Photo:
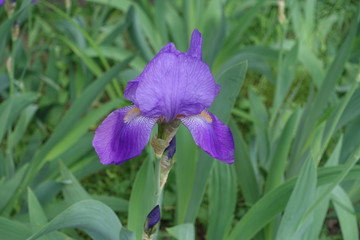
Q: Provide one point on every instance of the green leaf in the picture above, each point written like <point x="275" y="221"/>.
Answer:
<point x="21" y="125"/>
<point x="36" y="213"/>
<point x="186" y="158"/>
<point x="176" y="27"/>
<point x="126" y="234"/>
<point x="351" y="111"/>
<point x="319" y="103"/>
<point x="245" y="168"/>
<point x="285" y="76"/>
<point x="272" y="203"/>
<point x="312" y="64"/>
<point x="11" y="108"/>
<point x="13" y="230"/>
<point x="137" y="35"/>
<point x="142" y="198"/>
<point x="346" y="213"/>
<point x="302" y="196"/>
<point x="73" y="191"/>
<point x="8" y="188"/>
<point x="221" y="209"/>
<point x="231" y="81"/>
<point x="160" y="22"/>
<point x="77" y="109"/>
<point x="184" y="231"/>
<point x="259" y="112"/>
<point x="116" y="203"/>
<point x="119" y="4"/>
<point x="242" y="24"/>
<point x="279" y="159"/>
<point x="91" y="216"/>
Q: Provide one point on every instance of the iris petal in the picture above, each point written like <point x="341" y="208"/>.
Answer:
<point x="195" y="49"/>
<point x="122" y="135"/>
<point x="133" y="84"/>
<point x="175" y="85"/>
<point x="212" y="135"/>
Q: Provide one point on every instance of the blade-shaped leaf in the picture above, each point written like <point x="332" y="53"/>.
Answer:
<point x="231" y="81"/>
<point x="91" y="216"/>
<point x="184" y="231"/>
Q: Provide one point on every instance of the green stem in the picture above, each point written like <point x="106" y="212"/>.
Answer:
<point x="162" y="166"/>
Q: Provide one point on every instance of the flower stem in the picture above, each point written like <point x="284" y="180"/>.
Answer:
<point x="164" y="145"/>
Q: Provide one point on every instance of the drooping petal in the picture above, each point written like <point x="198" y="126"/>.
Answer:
<point x="195" y="49"/>
<point x="212" y="135"/>
<point x="174" y="85"/>
<point x="122" y="135"/>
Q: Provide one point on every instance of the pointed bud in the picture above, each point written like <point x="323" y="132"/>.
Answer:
<point x="171" y="149"/>
<point x="152" y="218"/>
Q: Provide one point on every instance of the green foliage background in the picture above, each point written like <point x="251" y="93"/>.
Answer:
<point x="290" y="93"/>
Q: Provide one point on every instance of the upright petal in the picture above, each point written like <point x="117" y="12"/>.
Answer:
<point x="122" y="135"/>
<point x="195" y="49"/>
<point x="174" y="85"/>
<point x="130" y="90"/>
<point x="212" y="135"/>
<point x="169" y="48"/>
<point x="133" y="84"/>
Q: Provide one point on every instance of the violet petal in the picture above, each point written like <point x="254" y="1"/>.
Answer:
<point x="133" y="84"/>
<point x="195" y="49"/>
<point x="171" y="149"/>
<point x="122" y="135"/>
<point x="212" y="135"/>
<point x="174" y="85"/>
<point x="153" y="217"/>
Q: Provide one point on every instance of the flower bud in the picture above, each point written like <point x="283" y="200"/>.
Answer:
<point x="152" y="219"/>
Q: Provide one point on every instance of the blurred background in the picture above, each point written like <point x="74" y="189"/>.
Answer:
<point x="289" y="72"/>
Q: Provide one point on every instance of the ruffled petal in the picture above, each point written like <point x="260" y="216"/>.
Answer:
<point x="122" y="135"/>
<point x="133" y="84"/>
<point x="212" y="135"/>
<point x="169" y="48"/>
<point x="174" y="85"/>
<point x="195" y="49"/>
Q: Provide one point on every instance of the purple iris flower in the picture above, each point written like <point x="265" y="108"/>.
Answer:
<point x="174" y="86"/>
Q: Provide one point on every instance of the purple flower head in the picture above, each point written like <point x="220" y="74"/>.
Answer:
<point x="174" y="86"/>
<point x="2" y="2"/>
